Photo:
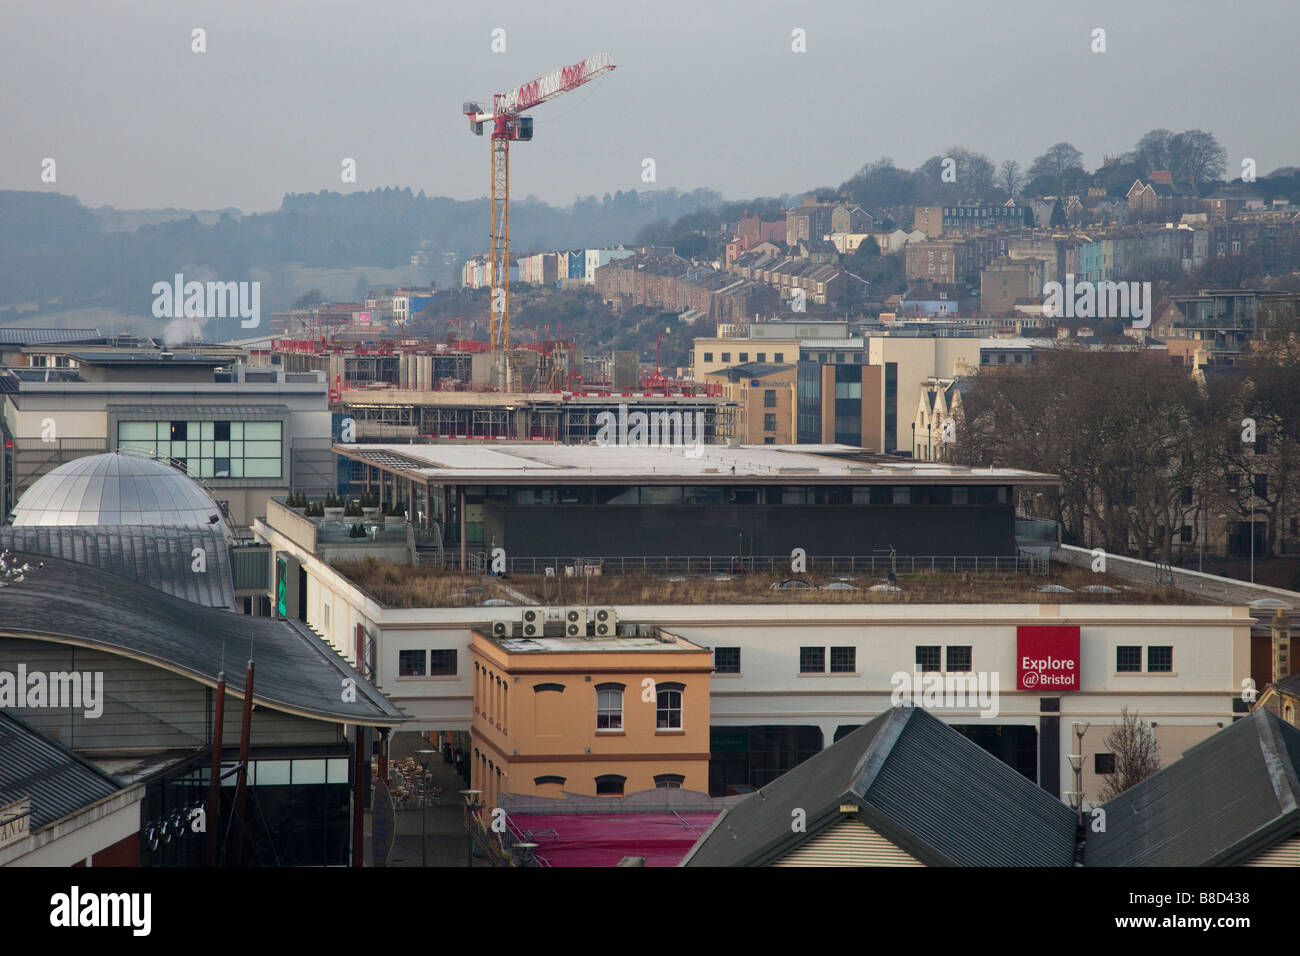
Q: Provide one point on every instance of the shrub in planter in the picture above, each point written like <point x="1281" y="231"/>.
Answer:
<point x="356" y="531"/>
<point x="315" y="511"/>
<point x="352" y="509"/>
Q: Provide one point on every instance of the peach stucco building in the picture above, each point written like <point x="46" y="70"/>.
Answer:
<point x="600" y="716"/>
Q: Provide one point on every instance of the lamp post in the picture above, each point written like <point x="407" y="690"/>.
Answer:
<point x="471" y="804"/>
<point x="424" y="806"/>
<point x="1076" y="762"/>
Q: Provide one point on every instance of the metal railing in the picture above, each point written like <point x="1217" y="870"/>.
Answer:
<point x="578" y="566"/>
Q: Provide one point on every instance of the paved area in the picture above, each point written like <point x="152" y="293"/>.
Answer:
<point x="443" y="841"/>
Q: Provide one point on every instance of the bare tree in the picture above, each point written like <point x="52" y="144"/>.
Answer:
<point x="1010" y="179"/>
<point x="1196" y="155"/>
<point x="1137" y="755"/>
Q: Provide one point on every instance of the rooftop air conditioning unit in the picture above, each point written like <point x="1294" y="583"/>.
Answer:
<point x="606" y="621"/>
<point x="501" y="628"/>
<point x="534" y="617"/>
<point x="575" y="622"/>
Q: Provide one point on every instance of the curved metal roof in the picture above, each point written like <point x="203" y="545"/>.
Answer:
<point x="296" y="671"/>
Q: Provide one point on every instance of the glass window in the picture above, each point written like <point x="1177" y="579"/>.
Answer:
<point x="410" y="663"/>
<point x="205" y="430"/>
<point x="726" y="660"/>
<point x="609" y="710"/>
<point x="927" y="657"/>
<point x="236" y="431"/>
<point x="669" y="781"/>
<point x="1103" y="763"/>
<point x="260" y="449"/>
<point x="959" y="658"/>
<point x="1128" y="659"/>
<point x="610" y="785"/>
<point x="812" y="660"/>
<point x="260" y="468"/>
<point x="273" y="772"/>
<point x="261" y="430"/>
<point x="308" y="771"/>
<point x="844" y="660"/>
<point x="668" y="715"/>
<point x="178" y="431"/>
<point x="1160" y="659"/>
<point x="221" y="431"/>
<point x="146" y="431"/>
<point x="442" y="663"/>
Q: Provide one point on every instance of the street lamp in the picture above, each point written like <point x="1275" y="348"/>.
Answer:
<point x="424" y="806"/>
<point x="471" y="804"/>
<point x="1076" y="762"/>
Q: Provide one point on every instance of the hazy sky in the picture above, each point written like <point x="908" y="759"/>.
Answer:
<point x="708" y="88"/>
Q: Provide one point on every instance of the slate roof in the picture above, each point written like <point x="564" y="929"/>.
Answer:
<point x="296" y="671"/>
<point x="1225" y="800"/>
<point x="160" y="558"/>
<point x="58" y="781"/>
<point x="916" y="781"/>
<point x="753" y="370"/>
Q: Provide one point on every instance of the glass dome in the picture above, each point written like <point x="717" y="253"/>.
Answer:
<point x="115" y="489"/>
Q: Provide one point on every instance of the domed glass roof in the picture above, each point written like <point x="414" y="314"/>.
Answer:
<point x="115" y="489"/>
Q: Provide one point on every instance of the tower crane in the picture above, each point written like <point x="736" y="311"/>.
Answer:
<point x="508" y="123"/>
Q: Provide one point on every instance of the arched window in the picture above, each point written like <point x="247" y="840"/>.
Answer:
<point x="548" y="778"/>
<point x="1288" y="714"/>
<point x="610" y="785"/>
<point x="668" y="709"/>
<point x="609" y="706"/>
<point x="669" y="781"/>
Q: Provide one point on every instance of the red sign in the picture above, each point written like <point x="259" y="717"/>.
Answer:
<point x="1047" y="657"/>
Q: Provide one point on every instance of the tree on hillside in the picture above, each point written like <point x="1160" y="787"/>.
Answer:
<point x="1058" y="219"/>
<point x="1057" y="164"/>
<point x="1195" y="155"/>
<point x="1137" y="755"/>
<point x="1151" y="151"/>
<point x="1010" y="179"/>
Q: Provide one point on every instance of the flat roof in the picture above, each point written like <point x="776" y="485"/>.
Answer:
<point x="533" y="463"/>
<point x="586" y="645"/>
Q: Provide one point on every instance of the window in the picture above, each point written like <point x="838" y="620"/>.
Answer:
<point x="669" y="781"/>
<point x="761" y="357"/>
<point x="744" y="356"/>
<point x="1261" y="486"/>
<point x="959" y="658"/>
<point x="610" y="785"/>
<point x="1160" y="660"/>
<point x="778" y="357"/>
<point x="708" y="356"/>
<point x="1185" y="534"/>
<point x="769" y="441"/>
<point x="1103" y="763"/>
<point x="609" y="707"/>
<point x="668" y="710"/>
<point x="1187" y="495"/>
<point x="927" y="657"/>
<point x="726" y="660"/>
<point x="1128" y="659"/>
<point x="769" y="398"/>
<point x="844" y="660"/>
<point x="769" y="423"/>
<point x="726" y="356"/>
<point x="410" y="663"/>
<point x="549" y="778"/>
<point x="442" y="663"/>
<point x="812" y="660"/>
<point x="1261" y="444"/>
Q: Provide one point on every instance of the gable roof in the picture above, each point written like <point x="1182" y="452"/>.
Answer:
<point x="920" y="784"/>
<point x="1228" y="798"/>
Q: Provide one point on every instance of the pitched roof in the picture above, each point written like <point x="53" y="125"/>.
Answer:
<point x="1225" y="800"/>
<point x="26" y="336"/>
<point x="922" y="785"/>
<point x="58" y="781"/>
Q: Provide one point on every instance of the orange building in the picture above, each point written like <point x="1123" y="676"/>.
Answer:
<point x="603" y="716"/>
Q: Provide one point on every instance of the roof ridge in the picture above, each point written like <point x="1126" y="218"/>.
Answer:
<point x="882" y="745"/>
<point x="1281" y="772"/>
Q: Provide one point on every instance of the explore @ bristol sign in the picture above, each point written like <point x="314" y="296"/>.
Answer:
<point x="1047" y="657"/>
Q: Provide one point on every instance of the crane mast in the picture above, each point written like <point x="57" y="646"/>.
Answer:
<point x="508" y="124"/>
